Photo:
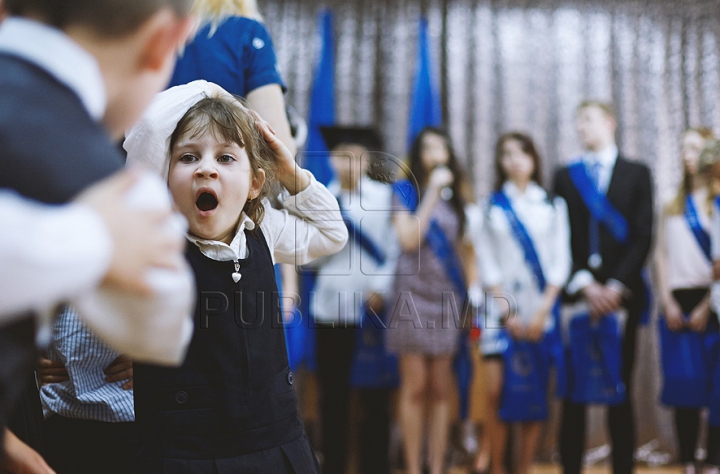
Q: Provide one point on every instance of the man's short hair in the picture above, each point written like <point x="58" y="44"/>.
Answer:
<point x="606" y="107"/>
<point x="110" y="18"/>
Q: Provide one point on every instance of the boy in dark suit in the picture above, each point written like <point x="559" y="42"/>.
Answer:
<point x="608" y="258"/>
<point x="67" y="66"/>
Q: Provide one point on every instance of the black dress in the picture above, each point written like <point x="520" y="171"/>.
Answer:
<point x="231" y="407"/>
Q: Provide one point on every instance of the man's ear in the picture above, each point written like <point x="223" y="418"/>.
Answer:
<point x="163" y="34"/>
<point x="257" y="183"/>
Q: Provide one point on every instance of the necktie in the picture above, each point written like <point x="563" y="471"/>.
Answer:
<point x="594" y="261"/>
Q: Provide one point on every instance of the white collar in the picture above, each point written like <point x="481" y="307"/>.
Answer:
<point x="606" y="157"/>
<point x="217" y="250"/>
<point x="532" y="192"/>
<point x="59" y="55"/>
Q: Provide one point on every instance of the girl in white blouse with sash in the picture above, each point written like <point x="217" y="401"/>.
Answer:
<point x="523" y="246"/>
<point x="685" y="275"/>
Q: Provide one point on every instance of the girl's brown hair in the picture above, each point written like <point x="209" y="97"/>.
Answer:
<point x="528" y="147"/>
<point x="229" y="120"/>
<point x="677" y="205"/>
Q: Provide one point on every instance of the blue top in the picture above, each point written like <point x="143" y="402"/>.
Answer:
<point x="239" y="57"/>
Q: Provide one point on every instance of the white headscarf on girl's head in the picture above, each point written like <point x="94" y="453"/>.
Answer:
<point x="148" y="142"/>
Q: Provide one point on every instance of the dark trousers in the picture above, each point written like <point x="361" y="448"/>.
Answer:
<point x="620" y="419"/>
<point x="26" y="420"/>
<point x="335" y="348"/>
<point x="687" y="427"/>
<point x="85" y="447"/>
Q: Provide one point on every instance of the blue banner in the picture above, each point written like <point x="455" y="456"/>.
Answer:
<point x="598" y="204"/>
<point x="693" y="221"/>
<point x="317" y="158"/>
<point x="425" y="101"/>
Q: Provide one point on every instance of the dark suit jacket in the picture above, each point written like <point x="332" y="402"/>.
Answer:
<point x="50" y="150"/>
<point x="630" y="192"/>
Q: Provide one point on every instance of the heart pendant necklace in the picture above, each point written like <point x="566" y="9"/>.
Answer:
<point x="236" y="274"/>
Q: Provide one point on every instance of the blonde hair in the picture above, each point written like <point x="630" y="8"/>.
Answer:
<point x="215" y="11"/>
<point x="606" y="107"/>
<point x="677" y="205"/>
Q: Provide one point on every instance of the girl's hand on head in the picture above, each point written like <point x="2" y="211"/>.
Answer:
<point x="290" y="175"/>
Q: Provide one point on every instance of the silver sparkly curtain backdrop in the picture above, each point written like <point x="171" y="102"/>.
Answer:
<point x="523" y="65"/>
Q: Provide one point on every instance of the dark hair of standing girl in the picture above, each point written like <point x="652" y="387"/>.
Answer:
<point x="421" y="171"/>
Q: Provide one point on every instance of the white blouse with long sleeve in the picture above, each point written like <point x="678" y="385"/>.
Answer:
<point x="501" y="258"/>
<point x="687" y="265"/>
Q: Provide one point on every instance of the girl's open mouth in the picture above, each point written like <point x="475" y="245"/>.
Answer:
<point x="206" y="201"/>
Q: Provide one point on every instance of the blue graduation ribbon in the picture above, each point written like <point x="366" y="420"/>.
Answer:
<point x="361" y="238"/>
<point x="598" y="204"/>
<point x="435" y="238"/>
<point x="521" y="234"/>
<point x="693" y="221"/>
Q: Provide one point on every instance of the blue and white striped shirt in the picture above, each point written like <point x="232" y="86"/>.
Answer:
<point x="86" y="395"/>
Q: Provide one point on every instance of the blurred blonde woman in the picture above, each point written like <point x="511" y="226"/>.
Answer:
<point x="685" y="274"/>
<point x="233" y="49"/>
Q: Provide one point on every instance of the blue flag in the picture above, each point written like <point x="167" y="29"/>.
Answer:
<point x="322" y="103"/>
<point x="425" y="102"/>
<point x="317" y="160"/>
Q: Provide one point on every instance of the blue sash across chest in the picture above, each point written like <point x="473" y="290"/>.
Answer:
<point x="693" y="221"/>
<point x="598" y="204"/>
<point x="522" y="237"/>
<point x="362" y="239"/>
<point x="436" y="239"/>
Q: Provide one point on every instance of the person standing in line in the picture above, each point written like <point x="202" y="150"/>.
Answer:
<point x="523" y="250"/>
<point x="351" y="292"/>
<point x="610" y="246"/>
<point x="684" y="268"/>
<point x="430" y="288"/>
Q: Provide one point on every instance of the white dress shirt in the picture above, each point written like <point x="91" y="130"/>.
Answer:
<point x="153" y="329"/>
<point x="346" y="279"/>
<point x="501" y="258"/>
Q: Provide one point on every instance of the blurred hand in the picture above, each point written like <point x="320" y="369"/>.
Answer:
<point x="673" y="315"/>
<point x="439" y="178"/>
<point x="120" y="369"/>
<point x="140" y="238"/>
<point x="699" y="318"/>
<point x="716" y="269"/>
<point x="49" y="371"/>
<point x="19" y="458"/>
<point x="375" y="303"/>
<point x="536" y="329"/>
<point x="514" y="327"/>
